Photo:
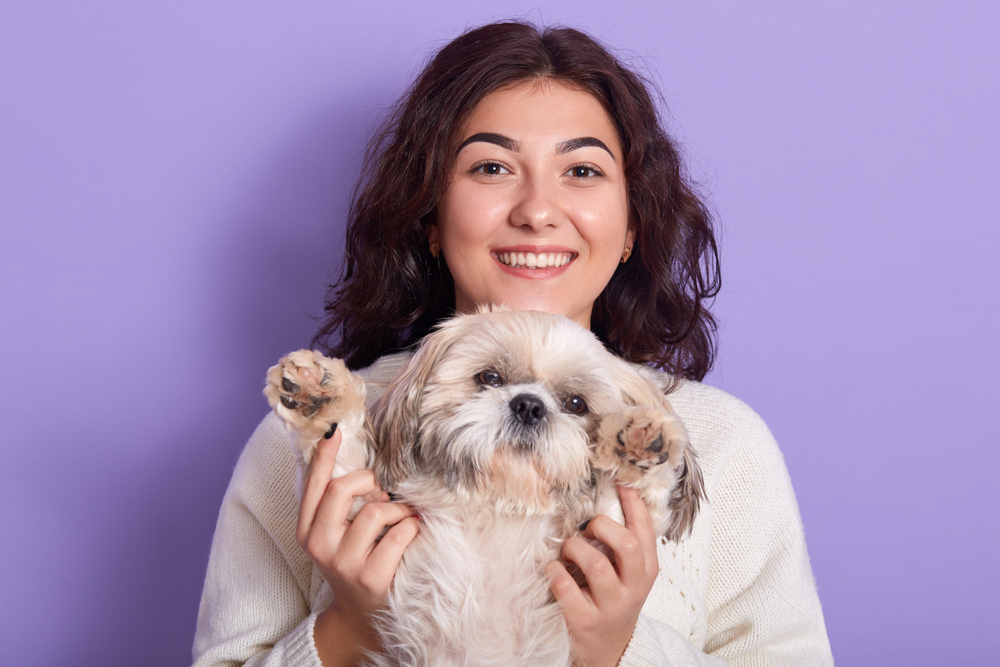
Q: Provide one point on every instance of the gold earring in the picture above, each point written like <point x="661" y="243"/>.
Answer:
<point x="435" y="249"/>
<point x="626" y="253"/>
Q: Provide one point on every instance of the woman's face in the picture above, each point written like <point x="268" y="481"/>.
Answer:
<point x="535" y="215"/>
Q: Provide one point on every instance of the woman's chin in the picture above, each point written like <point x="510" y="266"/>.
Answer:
<point x="580" y="315"/>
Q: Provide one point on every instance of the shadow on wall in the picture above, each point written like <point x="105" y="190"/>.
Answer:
<point x="265" y="273"/>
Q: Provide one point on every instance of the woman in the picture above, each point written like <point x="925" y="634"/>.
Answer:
<point x="528" y="169"/>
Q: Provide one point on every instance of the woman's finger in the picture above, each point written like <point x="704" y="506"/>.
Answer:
<point x="565" y="590"/>
<point x="359" y="558"/>
<point x="372" y="519"/>
<point x="630" y="561"/>
<point x="320" y="472"/>
<point x="602" y="577"/>
<point x="640" y="524"/>
<point x="330" y="519"/>
<point x="637" y="517"/>
<point x="384" y="559"/>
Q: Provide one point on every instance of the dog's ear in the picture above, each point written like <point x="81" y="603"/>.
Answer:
<point x="397" y="414"/>
<point x="686" y="496"/>
<point x="633" y="387"/>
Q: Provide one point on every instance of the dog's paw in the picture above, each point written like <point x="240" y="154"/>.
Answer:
<point x="648" y="449"/>
<point x="312" y="393"/>
<point x="638" y="441"/>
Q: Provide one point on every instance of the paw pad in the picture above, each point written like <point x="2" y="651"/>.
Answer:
<point x="645" y="438"/>
<point x="313" y="393"/>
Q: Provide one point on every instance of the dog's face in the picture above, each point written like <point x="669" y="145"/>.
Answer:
<point x="501" y="406"/>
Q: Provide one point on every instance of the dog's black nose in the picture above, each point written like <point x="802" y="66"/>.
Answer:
<point x="528" y="409"/>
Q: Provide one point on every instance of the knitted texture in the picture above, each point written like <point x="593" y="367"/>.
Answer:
<point x="737" y="591"/>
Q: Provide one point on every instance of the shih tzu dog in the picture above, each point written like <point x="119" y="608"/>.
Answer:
<point x="504" y="431"/>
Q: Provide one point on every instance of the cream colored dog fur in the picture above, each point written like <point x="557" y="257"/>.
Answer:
<point x="505" y="431"/>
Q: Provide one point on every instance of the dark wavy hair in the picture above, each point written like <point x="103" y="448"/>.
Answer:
<point x="392" y="292"/>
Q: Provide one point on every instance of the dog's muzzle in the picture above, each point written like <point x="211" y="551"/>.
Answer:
<point x="528" y="409"/>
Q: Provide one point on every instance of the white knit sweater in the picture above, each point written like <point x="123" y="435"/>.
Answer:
<point x="738" y="590"/>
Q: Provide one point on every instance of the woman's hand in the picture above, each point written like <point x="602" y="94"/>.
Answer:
<point x="601" y="616"/>
<point x="358" y="569"/>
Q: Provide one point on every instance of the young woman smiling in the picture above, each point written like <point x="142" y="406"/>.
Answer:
<point x="538" y="175"/>
<point x="527" y="168"/>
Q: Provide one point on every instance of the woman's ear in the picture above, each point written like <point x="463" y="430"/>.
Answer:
<point x="434" y="234"/>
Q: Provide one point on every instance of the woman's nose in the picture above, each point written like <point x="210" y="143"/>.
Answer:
<point x="537" y="205"/>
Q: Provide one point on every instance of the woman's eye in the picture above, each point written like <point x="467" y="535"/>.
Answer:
<point x="576" y="405"/>
<point x="490" y="169"/>
<point x="489" y="378"/>
<point x="583" y="171"/>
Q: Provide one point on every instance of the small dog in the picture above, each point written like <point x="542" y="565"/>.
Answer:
<point x="504" y="431"/>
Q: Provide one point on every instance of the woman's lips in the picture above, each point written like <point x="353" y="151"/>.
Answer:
<point x="534" y="263"/>
<point x="533" y="259"/>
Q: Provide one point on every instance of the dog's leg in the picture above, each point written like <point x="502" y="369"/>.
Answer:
<point x="314" y="395"/>
<point x="647" y="448"/>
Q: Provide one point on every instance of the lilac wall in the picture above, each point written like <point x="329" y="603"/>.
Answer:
<point x="172" y="180"/>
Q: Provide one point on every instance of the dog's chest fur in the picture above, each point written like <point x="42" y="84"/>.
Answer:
<point x="473" y="582"/>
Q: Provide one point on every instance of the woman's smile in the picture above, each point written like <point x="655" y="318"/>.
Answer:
<point x="534" y="260"/>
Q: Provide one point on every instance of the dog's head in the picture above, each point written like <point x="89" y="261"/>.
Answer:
<point x="500" y="405"/>
<point x="505" y="407"/>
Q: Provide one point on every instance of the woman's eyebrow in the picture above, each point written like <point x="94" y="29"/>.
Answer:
<point x="581" y="142"/>
<point x="512" y="145"/>
<point x="490" y="138"/>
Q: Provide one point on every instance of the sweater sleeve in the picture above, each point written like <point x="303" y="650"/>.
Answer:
<point x="761" y="604"/>
<point x="255" y="606"/>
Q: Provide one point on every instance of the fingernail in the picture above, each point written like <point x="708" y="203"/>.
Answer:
<point x="333" y="429"/>
<point x="583" y="526"/>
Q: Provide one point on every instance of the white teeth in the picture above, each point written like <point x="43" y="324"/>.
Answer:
<point x="531" y="260"/>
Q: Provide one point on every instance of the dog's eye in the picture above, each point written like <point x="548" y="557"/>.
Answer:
<point x="491" y="378"/>
<point x="576" y="405"/>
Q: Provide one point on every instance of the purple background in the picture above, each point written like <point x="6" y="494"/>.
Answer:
<point x="173" y="177"/>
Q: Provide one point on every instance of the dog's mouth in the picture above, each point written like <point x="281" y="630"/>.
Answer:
<point x="522" y="446"/>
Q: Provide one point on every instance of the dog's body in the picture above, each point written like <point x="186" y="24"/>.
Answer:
<point x="504" y="431"/>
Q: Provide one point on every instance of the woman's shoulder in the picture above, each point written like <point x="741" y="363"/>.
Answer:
<point x="266" y="459"/>
<point x="711" y="408"/>
<point x="704" y="404"/>
<point x="378" y="376"/>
